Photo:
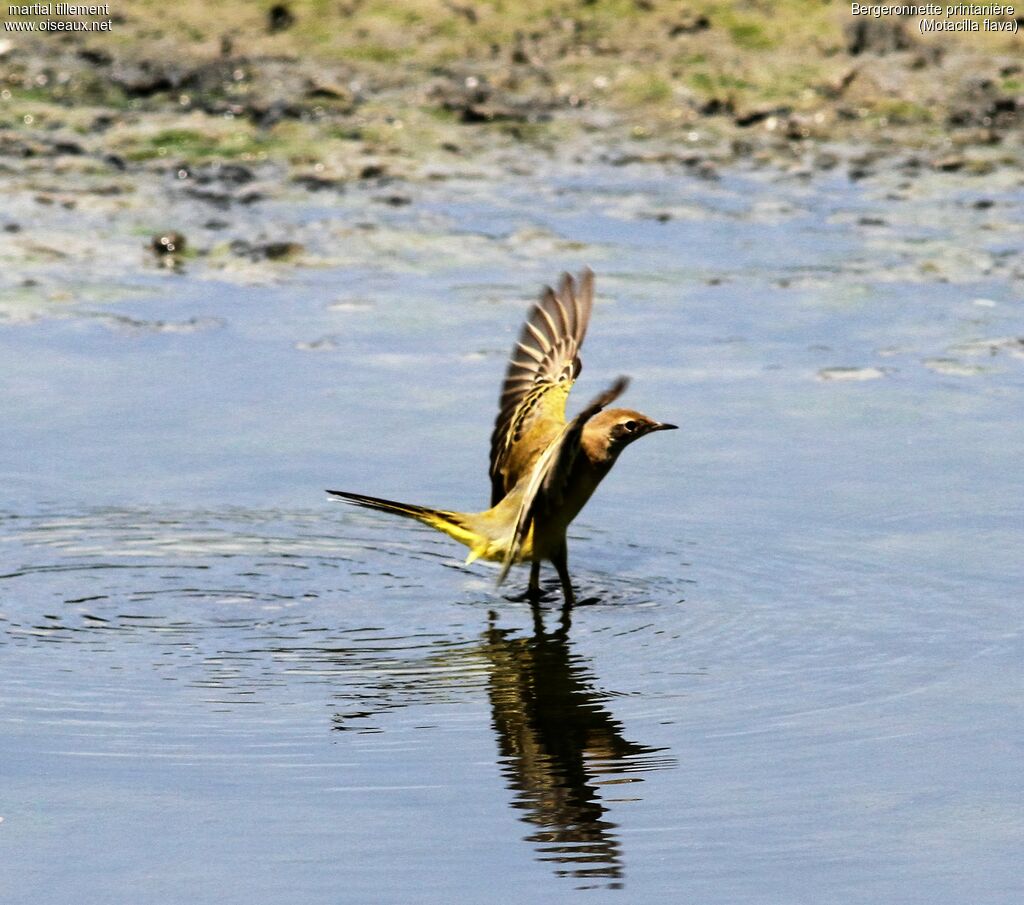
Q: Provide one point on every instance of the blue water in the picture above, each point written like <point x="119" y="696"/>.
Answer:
<point x="797" y="674"/>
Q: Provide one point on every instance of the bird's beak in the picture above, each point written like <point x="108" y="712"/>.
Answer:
<point x="662" y="426"/>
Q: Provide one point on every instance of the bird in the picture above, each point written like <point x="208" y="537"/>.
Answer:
<point x="543" y="467"/>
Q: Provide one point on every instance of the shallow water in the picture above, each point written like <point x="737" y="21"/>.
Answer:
<point x="796" y="674"/>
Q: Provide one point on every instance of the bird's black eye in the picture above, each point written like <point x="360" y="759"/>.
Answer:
<point x="631" y="426"/>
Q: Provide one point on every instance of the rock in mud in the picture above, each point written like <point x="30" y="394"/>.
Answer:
<point x="473" y="100"/>
<point x="167" y="243"/>
<point x="266" y="251"/>
<point x="687" y="22"/>
<point x="226" y="173"/>
<point x="374" y="171"/>
<point x="279" y="18"/>
<point x="880" y="36"/>
<point x="753" y="117"/>
<point x="950" y="163"/>
<point x="314" y="183"/>
<point x="146" y="78"/>
<point x="984" y="103"/>
<point x="220" y="184"/>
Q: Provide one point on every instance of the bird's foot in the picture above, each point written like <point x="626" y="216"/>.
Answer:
<point x="533" y="595"/>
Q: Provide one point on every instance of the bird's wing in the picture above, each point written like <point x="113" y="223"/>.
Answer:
<point x="545" y="491"/>
<point x="544" y="364"/>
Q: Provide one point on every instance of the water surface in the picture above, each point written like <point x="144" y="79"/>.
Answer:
<point x="796" y="676"/>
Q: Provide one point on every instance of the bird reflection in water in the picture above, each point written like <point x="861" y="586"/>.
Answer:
<point x="558" y="746"/>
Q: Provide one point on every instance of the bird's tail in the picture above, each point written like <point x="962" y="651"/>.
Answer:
<point x="457" y="525"/>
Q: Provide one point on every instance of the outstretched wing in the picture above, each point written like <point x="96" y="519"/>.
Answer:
<point x="544" y="364"/>
<point x="546" y="489"/>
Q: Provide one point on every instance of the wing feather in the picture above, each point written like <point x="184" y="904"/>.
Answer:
<point x="535" y="354"/>
<point x="542" y="340"/>
<point x="544" y="364"/>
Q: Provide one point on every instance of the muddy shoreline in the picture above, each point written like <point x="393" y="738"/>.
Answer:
<point x="362" y="90"/>
<point x="158" y="144"/>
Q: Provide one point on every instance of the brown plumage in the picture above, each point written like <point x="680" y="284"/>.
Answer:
<point x="543" y="468"/>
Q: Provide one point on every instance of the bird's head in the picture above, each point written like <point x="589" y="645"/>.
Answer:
<point x="611" y="431"/>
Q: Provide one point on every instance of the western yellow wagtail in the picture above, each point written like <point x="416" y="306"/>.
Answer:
<point x="543" y="468"/>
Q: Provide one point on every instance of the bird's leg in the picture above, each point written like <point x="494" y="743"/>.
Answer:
<point x="561" y="562"/>
<point x="533" y="590"/>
